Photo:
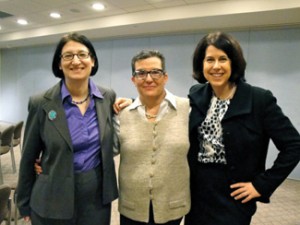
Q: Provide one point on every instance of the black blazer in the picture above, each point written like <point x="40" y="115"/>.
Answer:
<point x="51" y="194"/>
<point x="252" y="119"/>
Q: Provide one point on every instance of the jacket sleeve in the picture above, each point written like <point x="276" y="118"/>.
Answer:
<point x="31" y="150"/>
<point x="286" y="138"/>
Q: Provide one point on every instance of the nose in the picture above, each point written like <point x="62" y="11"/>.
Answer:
<point x="148" y="77"/>
<point x="216" y="64"/>
<point x="75" y="59"/>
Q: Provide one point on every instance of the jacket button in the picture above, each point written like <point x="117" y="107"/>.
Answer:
<point x="153" y="161"/>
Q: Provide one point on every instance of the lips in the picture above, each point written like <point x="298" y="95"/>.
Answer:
<point x="149" y="87"/>
<point x="76" y="69"/>
<point x="216" y="74"/>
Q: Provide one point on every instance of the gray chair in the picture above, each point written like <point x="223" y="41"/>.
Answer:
<point x="6" y="143"/>
<point x="15" y="142"/>
<point x="5" y="203"/>
<point x="14" y="215"/>
<point x="17" y="139"/>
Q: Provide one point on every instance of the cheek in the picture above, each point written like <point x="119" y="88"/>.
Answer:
<point x="206" y="76"/>
<point x="59" y="66"/>
<point x="229" y="68"/>
<point x="93" y="63"/>
<point x="205" y="66"/>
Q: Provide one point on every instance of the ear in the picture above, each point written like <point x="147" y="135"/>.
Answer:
<point x="166" y="78"/>
<point x="133" y="79"/>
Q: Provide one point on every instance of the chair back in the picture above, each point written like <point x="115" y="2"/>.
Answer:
<point x="6" y="139"/>
<point x="18" y="133"/>
<point x="4" y="196"/>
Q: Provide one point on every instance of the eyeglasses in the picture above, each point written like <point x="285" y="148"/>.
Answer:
<point x="68" y="56"/>
<point x="154" y="74"/>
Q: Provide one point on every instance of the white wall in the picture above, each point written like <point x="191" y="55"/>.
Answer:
<point x="272" y="62"/>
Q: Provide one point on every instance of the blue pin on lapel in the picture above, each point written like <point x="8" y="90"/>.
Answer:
<point x="52" y="115"/>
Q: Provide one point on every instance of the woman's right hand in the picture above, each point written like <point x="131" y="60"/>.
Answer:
<point x="37" y="167"/>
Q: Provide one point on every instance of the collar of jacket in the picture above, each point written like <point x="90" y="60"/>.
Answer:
<point x="200" y="96"/>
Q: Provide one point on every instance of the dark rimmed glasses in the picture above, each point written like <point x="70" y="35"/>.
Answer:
<point x="143" y="74"/>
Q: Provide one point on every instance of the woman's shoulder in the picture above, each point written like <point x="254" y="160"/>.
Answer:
<point x="183" y="101"/>
<point x="107" y="93"/>
<point x="104" y="90"/>
<point x="197" y="87"/>
<point x="46" y="94"/>
<point x="256" y="90"/>
<point x="258" y="95"/>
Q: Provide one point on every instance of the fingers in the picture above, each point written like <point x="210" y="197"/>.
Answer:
<point x="116" y="108"/>
<point x="26" y="218"/>
<point x="118" y="105"/>
<point x="121" y="103"/>
<point x="244" y="192"/>
<point x="37" y="167"/>
<point x="243" y="196"/>
<point x="239" y="193"/>
<point x="247" y="199"/>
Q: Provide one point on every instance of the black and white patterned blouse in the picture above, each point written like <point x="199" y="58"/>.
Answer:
<point x="210" y="133"/>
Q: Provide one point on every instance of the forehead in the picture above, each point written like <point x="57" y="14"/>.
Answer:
<point x="74" y="46"/>
<point x="152" y="62"/>
<point x="213" y="51"/>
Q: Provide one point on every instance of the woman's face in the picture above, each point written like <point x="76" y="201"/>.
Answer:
<point x="216" y="67"/>
<point x="78" y="68"/>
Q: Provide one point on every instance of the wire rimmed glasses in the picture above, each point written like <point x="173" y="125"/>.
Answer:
<point x="68" y="56"/>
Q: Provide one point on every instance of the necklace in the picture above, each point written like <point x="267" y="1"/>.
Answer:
<point x="231" y="93"/>
<point x="83" y="101"/>
<point x="150" y="116"/>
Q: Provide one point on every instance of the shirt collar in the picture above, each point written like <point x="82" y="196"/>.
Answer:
<point x="94" y="91"/>
<point x="170" y="98"/>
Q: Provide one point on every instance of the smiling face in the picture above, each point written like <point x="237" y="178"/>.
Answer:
<point x="150" y="87"/>
<point x="76" y="69"/>
<point x="216" y="67"/>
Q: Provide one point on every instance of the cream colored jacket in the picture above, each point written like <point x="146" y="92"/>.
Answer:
<point x="153" y="164"/>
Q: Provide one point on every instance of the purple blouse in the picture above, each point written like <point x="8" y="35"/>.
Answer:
<point x="84" y="130"/>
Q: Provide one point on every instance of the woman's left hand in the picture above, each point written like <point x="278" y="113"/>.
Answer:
<point x="245" y="191"/>
<point x="121" y="103"/>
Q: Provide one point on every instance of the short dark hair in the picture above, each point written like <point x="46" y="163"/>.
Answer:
<point x="226" y="43"/>
<point x="77" y="38"/>
<point x="145" y="54"/>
